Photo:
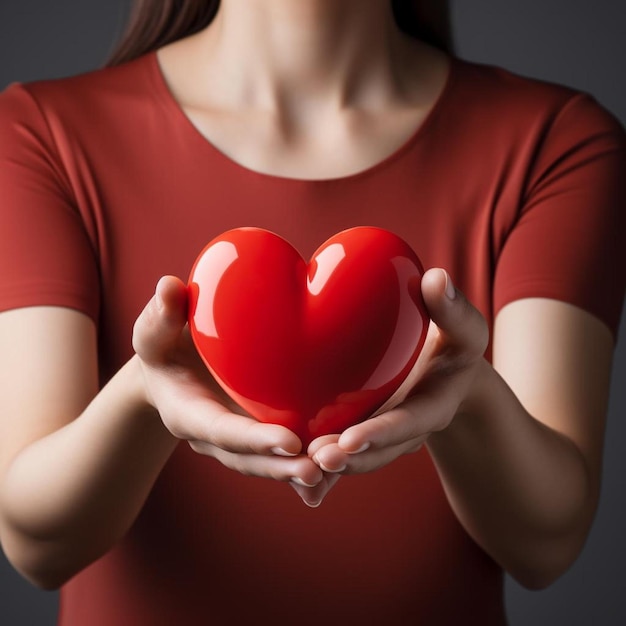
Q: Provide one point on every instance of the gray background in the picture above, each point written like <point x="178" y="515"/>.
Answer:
<point x="575" y="42"/>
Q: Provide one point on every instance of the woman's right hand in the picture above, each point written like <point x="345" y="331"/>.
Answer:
<point x="193" y="407"/>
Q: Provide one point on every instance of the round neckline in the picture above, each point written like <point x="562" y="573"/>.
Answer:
<point x="168" y="99"/>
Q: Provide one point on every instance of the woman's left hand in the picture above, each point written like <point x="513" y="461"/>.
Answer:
<point x="437" y="389"/>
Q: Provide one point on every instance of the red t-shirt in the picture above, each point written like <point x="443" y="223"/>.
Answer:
<point x="513" y="185"/>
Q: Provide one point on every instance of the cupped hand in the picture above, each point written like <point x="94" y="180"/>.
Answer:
<point x="429" y="399"/>
<point x="194" y="408"/>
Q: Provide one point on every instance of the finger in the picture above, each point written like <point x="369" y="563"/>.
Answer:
<point x="160" y="324"/>
<point x="420" y="414"/>
<point x="300" y="471"/>
<point x="368" y="461"/>
<point x="460" y="323"/>
<point x="313" y="496"/>
<point x="205" y="419"/>
<point x="324" y="440"/>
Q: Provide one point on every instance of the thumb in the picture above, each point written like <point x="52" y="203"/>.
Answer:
<point x="159" y="326"/>
<point x="460" y="323"/>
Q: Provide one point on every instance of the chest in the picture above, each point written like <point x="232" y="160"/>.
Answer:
<point x="155" y="217"/>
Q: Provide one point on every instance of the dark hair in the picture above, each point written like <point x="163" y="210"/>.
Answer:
<point x="155" y="23"/>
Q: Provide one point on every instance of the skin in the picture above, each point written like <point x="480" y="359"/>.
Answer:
<point x="517" y="443"/>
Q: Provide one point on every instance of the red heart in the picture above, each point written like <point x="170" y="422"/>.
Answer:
<point x="316" y="347"/>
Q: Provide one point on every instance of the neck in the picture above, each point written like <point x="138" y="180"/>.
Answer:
<point x="283" y="53"/>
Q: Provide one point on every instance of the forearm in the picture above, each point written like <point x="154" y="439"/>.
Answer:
<point x="521" y="489"/>
<point x="68" y="497"/>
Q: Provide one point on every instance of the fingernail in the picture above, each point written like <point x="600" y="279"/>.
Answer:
<point x="158" y="293"/>
<point x="299" y="481"/>
<point x="326" y="469"/>
<point x="281" y="452"/>
<point x="158" y="300"/>
<point x="450" y="289"/>
<point x="313" y="505"/>
<point x="363" y="448"/>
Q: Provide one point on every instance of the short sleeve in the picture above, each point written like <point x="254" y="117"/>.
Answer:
<point x="46" y="257"/>
<point x="569" y="238"/>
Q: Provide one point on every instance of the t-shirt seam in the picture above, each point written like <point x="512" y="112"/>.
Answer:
<point x="68" y="188"/>
<point x="47" y="293"/>
<point x="548" y="288"/>
<point x="536" y="281"/>
<point x="171" y="107"/>
<point x="527" y="189"/>
<point x="53" y="145"/>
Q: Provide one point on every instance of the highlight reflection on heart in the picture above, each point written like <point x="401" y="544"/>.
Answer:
<point x="315" y="347"/>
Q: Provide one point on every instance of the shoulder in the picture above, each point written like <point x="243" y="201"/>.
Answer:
<point x="73" y="100"/>
<point x="510" y="103"/>
<point x="524" y="128"/>
<point x="77" y="124"/>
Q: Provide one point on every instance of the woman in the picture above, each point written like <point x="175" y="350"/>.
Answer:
<point x="305" y="118"/>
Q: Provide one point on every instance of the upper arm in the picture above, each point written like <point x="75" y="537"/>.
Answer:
<point x="48" y="373"/>
<point x="48" y="359"/>
<point x="560" y="276"/>
<point x="567" y="237"/>
<point x="557" y="359"/>
<point x="48" y="254"/>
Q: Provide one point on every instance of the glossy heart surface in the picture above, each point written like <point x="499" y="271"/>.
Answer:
<point x="317" y="346"/>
